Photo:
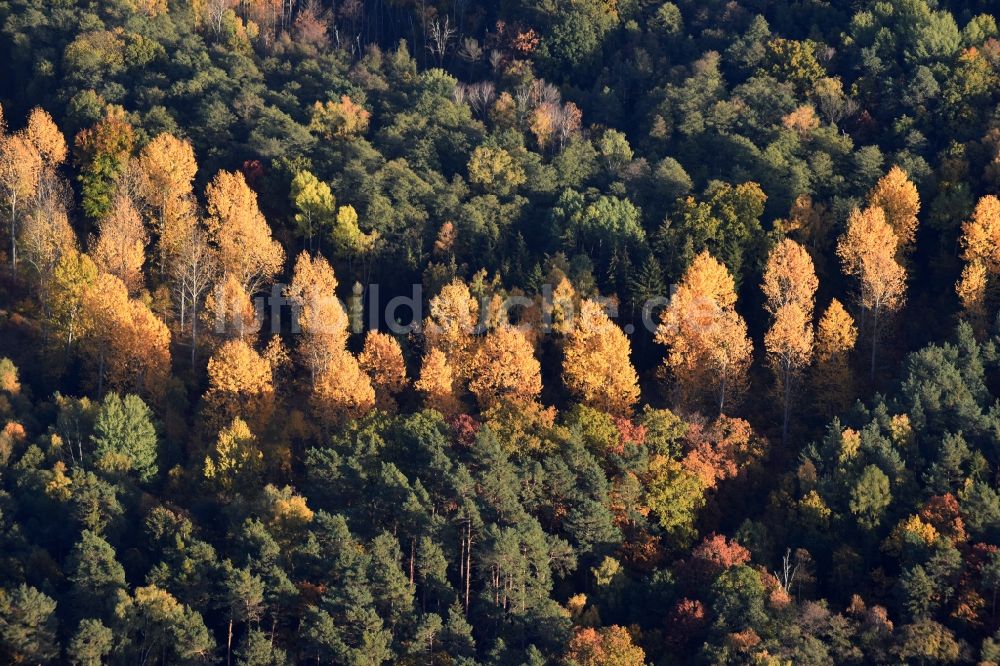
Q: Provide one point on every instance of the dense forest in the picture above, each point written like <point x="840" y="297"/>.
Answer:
<point x="572" y="332"/>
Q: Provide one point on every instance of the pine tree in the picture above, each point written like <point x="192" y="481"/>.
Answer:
<point x="96" y="575"/>
<point x="103" y="152"/>
<point x="28" y="626"/>
<point x="124" y="436"/>
<point x="91" y="643"/>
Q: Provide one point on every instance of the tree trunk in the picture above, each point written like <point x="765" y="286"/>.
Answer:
<point x="229" y="641"/>
<point x="13" y="233"/>
<point x="788" y="397"/>
<point x="874" y="345"/>
<point x="194" y="331"/>
<point x="468" y="565"/>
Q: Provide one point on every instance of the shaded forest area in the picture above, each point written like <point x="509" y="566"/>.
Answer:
<point x="745" y="411"/>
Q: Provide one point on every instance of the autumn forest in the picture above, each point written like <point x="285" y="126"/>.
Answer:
<point x="569" y="332"/>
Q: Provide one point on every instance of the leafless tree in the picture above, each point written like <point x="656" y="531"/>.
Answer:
<point x="194" y="271"/>
<point x="480" y="96"/>
<point x="46" y="233"/>
<point x="215" y="11"/>
<point x="440" y="35"/>
<point x="568" y="121"/>
<point x="541" y="92"/>
<point x="786" y="577"/>
<point x="130" y="184"/>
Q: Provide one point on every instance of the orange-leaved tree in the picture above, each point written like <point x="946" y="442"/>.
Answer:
<point x="382" y="360"/>
<point x="604" y="646"/>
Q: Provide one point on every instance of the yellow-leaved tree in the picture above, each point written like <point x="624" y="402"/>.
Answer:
<point x="981" y="252"/>
<point x="897" y="196"/>
<point x="789" y="286"/>
<point x="867" y="251"/>
<point x="73" y="274"/>
<point x="120" y="246"/>
<point x="437" y="383"/>
<point x="450" y="326"/>
<point x="597" y="367"/>
<point x="129" y="344"/>
<point x="708" y="349"/>
<point x="240" y="384"/>
<point x="321" y="319"/>
<point x="235" y="462"/>
<point x="44" y="135"/>
<point x="239" y="231"/>
<point x="340" y="388"/>
<point x="504" y="369"/>
<point x="833" y="382"/>
<point x="167" y="168"/>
